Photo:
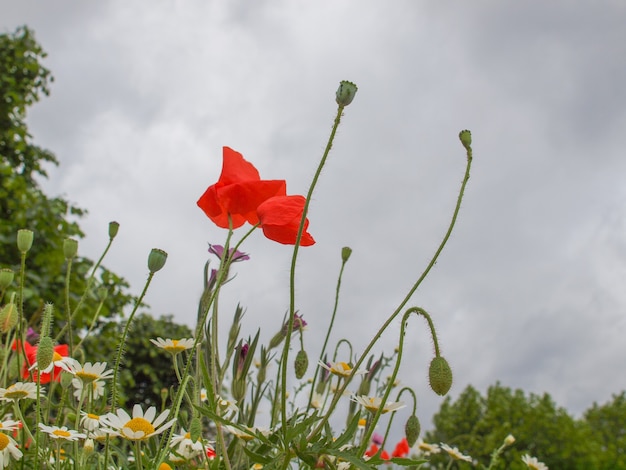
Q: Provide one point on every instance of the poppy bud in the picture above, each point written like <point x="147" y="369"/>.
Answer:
<point x="440" y="375"/>
<point x="113" y="228"/>
<point x="66" y="378"/>
<point x="345" y="93"/>
<point x="156" y="260"/>
<point x="70" y="248"/>
<point x="6" y="277"/>
<point x="466" y="139"/>
<point x="195" y="429"/>
<point x="8" y="317"/>
<point x="412" y="430"/>
<point x="346" y="251"/>
<point x="301" y="363"/>
<point x="45" y="352"/>
<point x="46" y="320"/>
<point x="24" y="240"/>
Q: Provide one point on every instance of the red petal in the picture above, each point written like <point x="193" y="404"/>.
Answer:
<point x="280" y="220"/>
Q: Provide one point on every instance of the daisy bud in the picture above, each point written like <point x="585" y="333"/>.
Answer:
<point x="70" y="248"/>
<point x="509" y="440"/>
<point x="412" y="430"/>
<point x="24" y="240"/>
<point x="195" y="429"/>
<point x="113" y="228"/>
<point x="345" y="93"/>
<point x="8" y="317"/>
<point x="346" y="251"/>
<point x="45" y="352"/>
<point x="156" y="260"/>
<point x="88" y="447"/>
<point x="301" y="364"/>
<point x="6" y="277"/>
<point x="440" y="375"/>
<point x="466" y="139"/>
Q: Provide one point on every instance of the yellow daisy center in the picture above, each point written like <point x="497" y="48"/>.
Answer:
<point x="164" y="466"/>
<point x="86" y="377"/>
<point x="187" y="435"/>
<point x="4" y="441"/>
<point x="56" y="357"/>
<point x="174" y="347"/>
<point x="61" y="433"/>
<point x="15" y="394"/>
<point x="140" y="424"/>
<point x="92" y="416"/>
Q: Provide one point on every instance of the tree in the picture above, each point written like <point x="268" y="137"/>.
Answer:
<point x="23" y="80"/>
<point x="608" y="425"/>
<point x="477" y="425"/>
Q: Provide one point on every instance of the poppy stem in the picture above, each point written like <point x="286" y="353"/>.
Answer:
<point x="292" y="275"/>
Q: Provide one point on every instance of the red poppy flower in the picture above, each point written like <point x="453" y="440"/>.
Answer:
<point x="402" y="448"/>
<point x="280" y="219"/>
<point x="60" y="351"/>
<point x="238" y="192"/>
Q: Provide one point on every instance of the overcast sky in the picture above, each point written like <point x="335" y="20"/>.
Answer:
<point x="530" y="289"/>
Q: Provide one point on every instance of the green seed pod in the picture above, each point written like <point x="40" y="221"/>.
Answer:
<point x="412" y="430"/>
<point x="45" y="352"/>
<point x="113" y="228"/>
<point x="66" y="378"/>
<point x="345" y="93"/>
<point x="70" y="248"/>
<point x="301" y="363"/>
<point x="195" y="429"/>
<point x="440" y="375"/>
<point x="6" y="278"/>
<point x="346" y="251"/>
<point x="8" y="317"/>
<point x="466" y="139"/>
<point x="156" y="260"/>
<point x="24" y="240"/>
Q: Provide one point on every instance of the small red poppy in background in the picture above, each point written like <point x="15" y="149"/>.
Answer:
<point x="402" y="448"/>
<point x="60" y="351"/>
<point x="238" y="192"/>
<point x="280" y="220"/>
<point x="373" y="450"/>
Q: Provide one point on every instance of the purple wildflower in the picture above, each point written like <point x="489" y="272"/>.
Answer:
<point x="235" y="255"/>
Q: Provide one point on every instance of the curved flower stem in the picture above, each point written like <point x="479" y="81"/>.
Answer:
<point x="404" y="301"/>
<point x="292" y="273"/>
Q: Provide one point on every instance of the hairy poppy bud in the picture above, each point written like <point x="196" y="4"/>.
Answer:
<point x="8" y="317"/>
<point x="412" y="430"/>
<point x="45" y="352"/>
<point x="195" y="429"/>
<point x="440" y="375"/>
<point x="70" y="248"/>
<point x="113" y="228"/>
<point x="66" y="378"/>
<point x="466" y="139"/>
<point x="6" y="277"/>
<point x="346" y="251"/>
<point x="345" y="93"/>
<point x="301" y="363"/>
<point x="24" y="240"/>
<point x="156" y="260"/>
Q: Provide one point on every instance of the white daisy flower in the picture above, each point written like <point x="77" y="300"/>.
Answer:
<point x="203" y="394"/>
<point x="91" y="372"/>
<point x="141" y="426"/>
<point x="533" y="463"/>
<point x="97" y="387"/>
<point x="226" y="405"/>
<point x="56" y="432"/>
<point x="173" y="346"/>
<point x="187" y="448"/>
<point x="427" y="449"/>
<point x="374" y="403"/>
<point x="91" y="421"/>
<point x="9" y="425"/>
<point x="342" y="369"/>
<point x="100" y="435"/>
<point x="19" y="391"/>
<point x="455" y="453"/>
<point x="8" y="449"/>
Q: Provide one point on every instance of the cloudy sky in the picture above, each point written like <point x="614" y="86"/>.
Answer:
<point x="530" y="289"/>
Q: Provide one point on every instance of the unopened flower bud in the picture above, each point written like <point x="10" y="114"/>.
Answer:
<point x="466" y="139"/>
<point x="509" y="440"/>
<point x="345" y="93"/>
<point x="412" y="430"/>
<point x="88" y="447"/>
<point x="24" y="240"/>
<point x="45" y="352"/>
<point x="346" y="251"/>
<point x="113" y="228"/>
<point x="6" y="277"/>
<point x="66" y="378"/>
<point x="440" y="375"/>
<point x="70" y="248"/>
<point x="156" y="260"/>
<point x="301" y="363"/>
<point x="195" y="429"/>
<point x="8" y="317"/>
